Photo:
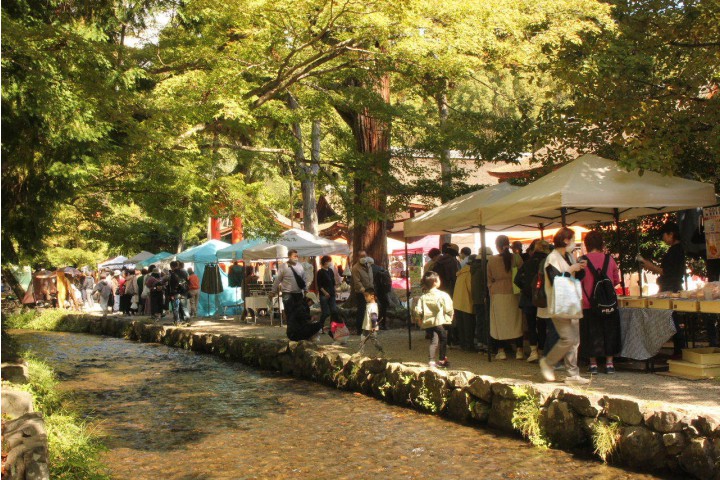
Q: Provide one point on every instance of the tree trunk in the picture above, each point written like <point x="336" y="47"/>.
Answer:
<point x="372" y="140"/>
<point x="445" y="162"/>
<point x="308" y="173"/>
<point x="10" y="279"/>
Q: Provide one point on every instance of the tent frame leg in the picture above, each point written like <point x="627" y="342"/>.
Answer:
<point x="407" y="298"/>
<point x="486" y="307"/>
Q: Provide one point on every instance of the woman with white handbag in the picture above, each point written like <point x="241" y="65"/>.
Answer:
<point x="564" y="297"/>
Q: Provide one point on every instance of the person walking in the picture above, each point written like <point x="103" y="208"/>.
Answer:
<point x="434" y="312"/>
<point x="193" y="292"/>
<point x="561" y="262"/>
<point x="599" y="331"/>
<point x="326" y="288"/>
<point x="362" y="279"/>
<point x="291" y="285"/>
<point x="88" y="287"/>
<point x="371" y="323"/>
<point x="505" y="316"/>
<point x="464" y="307"/>
<point x="105" y="290"/>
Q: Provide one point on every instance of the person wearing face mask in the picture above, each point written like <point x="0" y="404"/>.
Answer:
<point x="292" y="286"/>
<point x="326" y="288"/>
<point x="559" y="262"/>
<point x="362" y="278"/>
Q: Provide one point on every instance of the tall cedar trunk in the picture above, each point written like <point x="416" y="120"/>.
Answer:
<point x="445" y="166"/>
<point x="10" y="279"/>
<point x="372" y="139"/>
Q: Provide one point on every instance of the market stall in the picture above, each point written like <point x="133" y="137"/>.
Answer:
<point x="214" y="289"/>
<point x="161" y="260"/>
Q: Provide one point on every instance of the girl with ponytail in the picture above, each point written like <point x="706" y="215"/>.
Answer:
<point x="505" y="314"/>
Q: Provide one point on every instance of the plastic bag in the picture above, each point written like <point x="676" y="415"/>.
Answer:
<point x="567" y="297"/>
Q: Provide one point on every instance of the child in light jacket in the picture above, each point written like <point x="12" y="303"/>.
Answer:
<point x="434" y="312"/>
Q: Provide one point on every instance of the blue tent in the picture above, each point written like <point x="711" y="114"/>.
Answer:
<point x="158" y="257"/>
<point x="200" y="256"/>
<point x="234" y="251"/>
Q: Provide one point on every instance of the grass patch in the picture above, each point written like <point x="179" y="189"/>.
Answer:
<point x="74" y="450"/>
<point x="526" y="416"/>
<point x="46" y="320"/>
<point x="605" y="438"/>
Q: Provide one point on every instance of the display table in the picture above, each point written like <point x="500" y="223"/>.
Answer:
<point x="644" y="331"/>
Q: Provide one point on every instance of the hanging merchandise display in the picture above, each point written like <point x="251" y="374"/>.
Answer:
<point x="211" y="281"/>
<point x="236" y="275"/>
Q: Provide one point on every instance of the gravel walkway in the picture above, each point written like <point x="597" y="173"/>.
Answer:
<point x="652" y="389"/>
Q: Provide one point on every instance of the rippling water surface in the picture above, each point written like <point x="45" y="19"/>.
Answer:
<point x="172" y="414"/>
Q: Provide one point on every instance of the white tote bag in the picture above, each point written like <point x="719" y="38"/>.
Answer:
<point x="567" y="297"/>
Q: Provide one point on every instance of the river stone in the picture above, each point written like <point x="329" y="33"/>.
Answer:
<point x="562" y="425"/>
<point x="458" y="406"/>
<point x="674" y="442"/>
<point x="580" y="403"/>
<point x="460" y="379"/>
<point x="430" y="391"/>
<point x="707" y="425"/>
<point x="696" y="459"/>
<point x="480" y="411"/>
<point x="504" y="390"/>
<point x="402" y="378"/>
<point x="627" y="411"/>
<point x="15" y="372"/>
<point x="501" y="413"/>
<point x="663" y="421"/>
<point x="16" y="403"/>
<point x="375" y="365"/>
<point x="481" y="387"/>
<point x="641" y="448"/>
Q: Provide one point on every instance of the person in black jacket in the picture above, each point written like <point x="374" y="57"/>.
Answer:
<point x="525" y="278"/>
<point x="447" y="266"/>
<point x="326" y="288"/>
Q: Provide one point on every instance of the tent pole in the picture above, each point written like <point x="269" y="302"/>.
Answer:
<point x="616" y="216"/>
<point x="563" y="214"/>
<point x="483" y="272"/>
<point x="542" y="231"/>
<point x="637" y="246"/>
<point x="407" y="299"/>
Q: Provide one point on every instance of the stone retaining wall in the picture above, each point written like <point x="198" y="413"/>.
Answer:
<point x="639" y="437"/>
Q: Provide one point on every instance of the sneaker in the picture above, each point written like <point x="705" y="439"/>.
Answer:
<point x="546" y="370"/>
<point x="443" y="363"/>
<point x="501" y="355"/>
<point x="592" y="369"/>
<point x="577" y="380"/>
<point x="519" y="354"/>
<point x="533" y="356"/>
<point x="610" y="369"/>
<point x="432" y="364"/>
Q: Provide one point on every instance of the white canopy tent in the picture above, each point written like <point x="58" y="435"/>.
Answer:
<point x="592" y="189"/>
<point x="307" y="245"/>
<point x="460" y="214"/>
<point x="117" y="262"/>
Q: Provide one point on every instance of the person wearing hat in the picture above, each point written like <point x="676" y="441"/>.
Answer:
<point x="537" y="318"/>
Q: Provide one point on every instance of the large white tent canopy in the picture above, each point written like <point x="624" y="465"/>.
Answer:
<point x="592" y="189"/>
<point x="458" y="215"/>
<point x="117" y="262"/>
<point x="307" y="245"/>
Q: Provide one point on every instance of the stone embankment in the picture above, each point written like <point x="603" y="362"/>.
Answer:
<point x="24" y="438"/>
<point x="619" y="430"/>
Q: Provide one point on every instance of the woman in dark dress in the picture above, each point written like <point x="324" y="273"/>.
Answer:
<point x="672" y="274"/>
<point x="155" y="285"/>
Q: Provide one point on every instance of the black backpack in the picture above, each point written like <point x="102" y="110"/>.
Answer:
<point x="603" y="296"/>
<point x="539" y="297"/>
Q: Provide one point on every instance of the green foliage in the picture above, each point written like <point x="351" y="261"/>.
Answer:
<point x="605" y="436"/>
<point x="526" y="416"/>
<point x="45" y="320"/>
<point x="74" y="450"/>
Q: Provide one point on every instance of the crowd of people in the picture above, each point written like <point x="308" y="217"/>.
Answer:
<point x="148" y="291"/>
<point x="456" y="286"/>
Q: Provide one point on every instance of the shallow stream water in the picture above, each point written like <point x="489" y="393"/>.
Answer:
<point x="167" y="413"/>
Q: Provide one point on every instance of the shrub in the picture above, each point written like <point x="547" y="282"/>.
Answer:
<point x="526" y="416"/>
<point x="46" y="320"/>
<point x="605" y="438"/>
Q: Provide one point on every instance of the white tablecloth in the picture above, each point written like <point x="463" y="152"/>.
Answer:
<point x="644" y="331"/>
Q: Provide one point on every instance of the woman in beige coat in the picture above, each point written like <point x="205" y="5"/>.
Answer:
<point x="505" y="314"/>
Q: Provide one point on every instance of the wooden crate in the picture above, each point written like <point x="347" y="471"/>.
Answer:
<point x="686" y="305"/>
<point x="632" y="302"/>
<point x="660" y="303"/>
<point x="709" y="356"/>
<point x="710" y="306"/>
<point x="693" y="369"/>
